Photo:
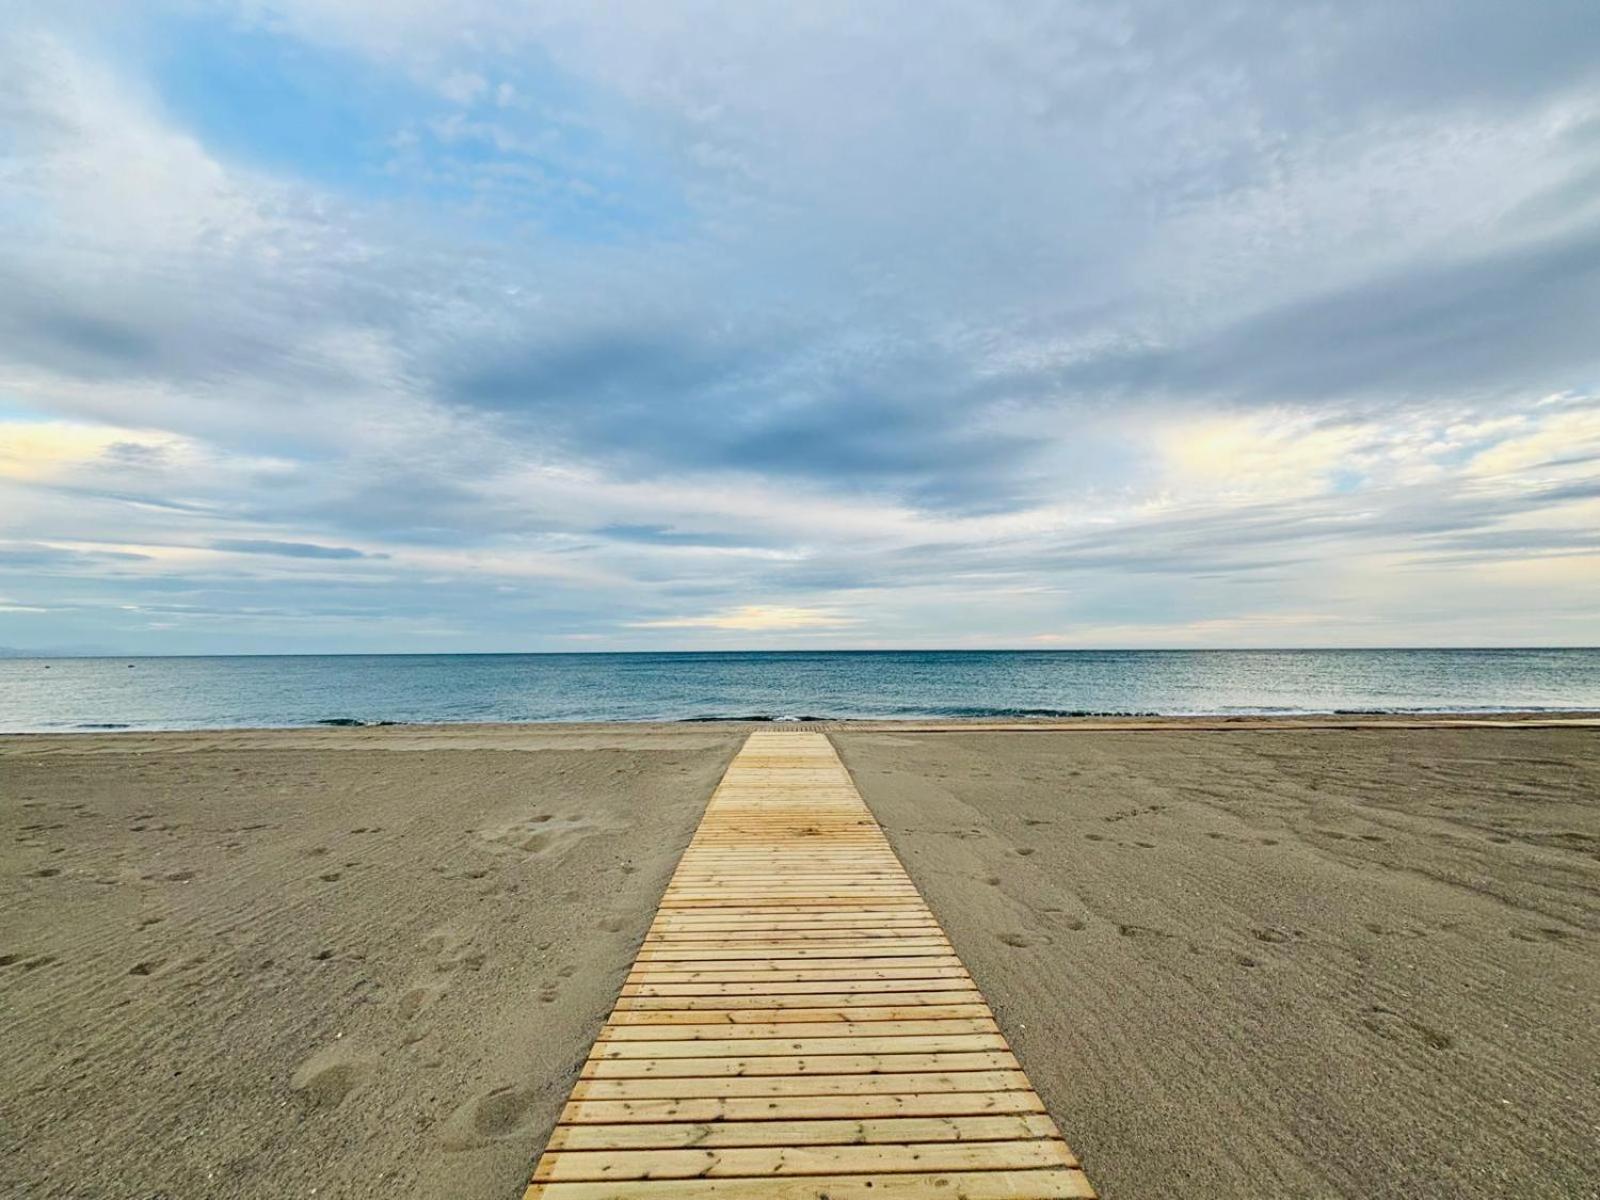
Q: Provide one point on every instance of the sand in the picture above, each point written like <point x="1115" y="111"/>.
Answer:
<point x="1239" y="962"/>
<point x="351" y="964"/>
<point x="1273" y="964"/>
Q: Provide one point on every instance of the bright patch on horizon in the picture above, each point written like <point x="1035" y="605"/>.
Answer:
<point x="755" y="618"/>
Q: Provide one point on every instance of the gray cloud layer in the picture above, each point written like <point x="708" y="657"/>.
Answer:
<point x="712" y="305"/>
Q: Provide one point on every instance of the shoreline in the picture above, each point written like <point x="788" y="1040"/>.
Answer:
<point x="1336" y="719"/>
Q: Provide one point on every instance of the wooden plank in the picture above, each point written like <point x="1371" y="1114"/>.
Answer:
<point x="1059" y="1183"/>
<point x="912" y="1084"/>
<point x="807" y="1064"/>
<point x="760" y="1016"/>
<point x="768" y="1161"/>
<point x="771" y="975"/>
<point x="660" y="938"/>
<point x="777" y="1029"/>
<point x="909" y="948"/>
<point x="821" y="1000"/>
<point x="795" y="1044"/>
<point x="709" y="1135"/>
<point x="801" y="987"/>
<point x="777" y="1108"/>
<point x="796" y="1024"/>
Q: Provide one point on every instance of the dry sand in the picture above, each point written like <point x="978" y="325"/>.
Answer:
<point x="1242" y="963"/>
<point x="349" y="964"/>
<point x="1272" y="964"/>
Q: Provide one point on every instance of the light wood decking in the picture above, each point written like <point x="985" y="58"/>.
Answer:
<point x="797" y="1026"/>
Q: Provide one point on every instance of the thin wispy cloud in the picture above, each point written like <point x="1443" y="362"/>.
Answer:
<point x="332" y="324"/>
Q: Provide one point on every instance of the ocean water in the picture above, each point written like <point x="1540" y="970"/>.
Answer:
<point x="205" y="693"/>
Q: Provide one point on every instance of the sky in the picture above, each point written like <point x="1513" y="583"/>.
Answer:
<point x="391" y="325"/>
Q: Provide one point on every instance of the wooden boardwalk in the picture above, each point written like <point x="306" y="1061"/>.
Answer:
<point x="796" y="1025"/>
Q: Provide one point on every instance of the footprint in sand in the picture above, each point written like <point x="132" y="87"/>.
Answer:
<point x="417" y="1000"/>
<point x="1547" y="933"/>
<point x="498" y="1113"/>
<point x="147" y="968"/>
<point x="1024" y="850"/>
<point x="325" y="1079"/>
<point x="1275" y="936"/>
<point x="1141" y="931"/>
<point x="452" y="952"/>
<point x="541" y="834"/>
<point x="1015" y="939"/>
<point x="1389" y="1024"/>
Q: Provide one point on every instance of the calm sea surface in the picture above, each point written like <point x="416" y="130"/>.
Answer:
<point x="204" y="693"/>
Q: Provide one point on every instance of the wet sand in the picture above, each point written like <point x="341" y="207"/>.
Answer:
<point x="1305" y="963"/>
<point x="1236" y="962"/>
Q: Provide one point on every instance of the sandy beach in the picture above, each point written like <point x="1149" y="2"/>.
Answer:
<point x="351" y="963"/>
<point x="1304" y="962"/>
<point x="1245" y="962"/>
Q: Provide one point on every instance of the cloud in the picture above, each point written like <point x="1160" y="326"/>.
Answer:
<point x="886" y="324"/>
<point x="38" y="450"/>
<point x="753" y="618"/>
<point x="290" y="549"/>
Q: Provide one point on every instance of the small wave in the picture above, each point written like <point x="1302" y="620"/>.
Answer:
<point x="343" y="722"/>
<point x="993" y="712"/>
<point x="773" y="718"/>
<point x="102" y="725"/>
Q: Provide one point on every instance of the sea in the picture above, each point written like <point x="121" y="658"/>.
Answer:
<point x="57" y="694"/>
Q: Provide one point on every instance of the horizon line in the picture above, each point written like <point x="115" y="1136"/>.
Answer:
<point x="16" y="654"/>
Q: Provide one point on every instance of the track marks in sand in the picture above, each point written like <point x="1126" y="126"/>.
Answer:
<point x="501" y="1112"/>
<point x="1387" y="1023"/>
<point x="542" y="834"/>
<point x="26" y="962"/>
<point x="448" y="952"/>
<point x="327" y="1078"/>
<point x="205" y="988"/>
